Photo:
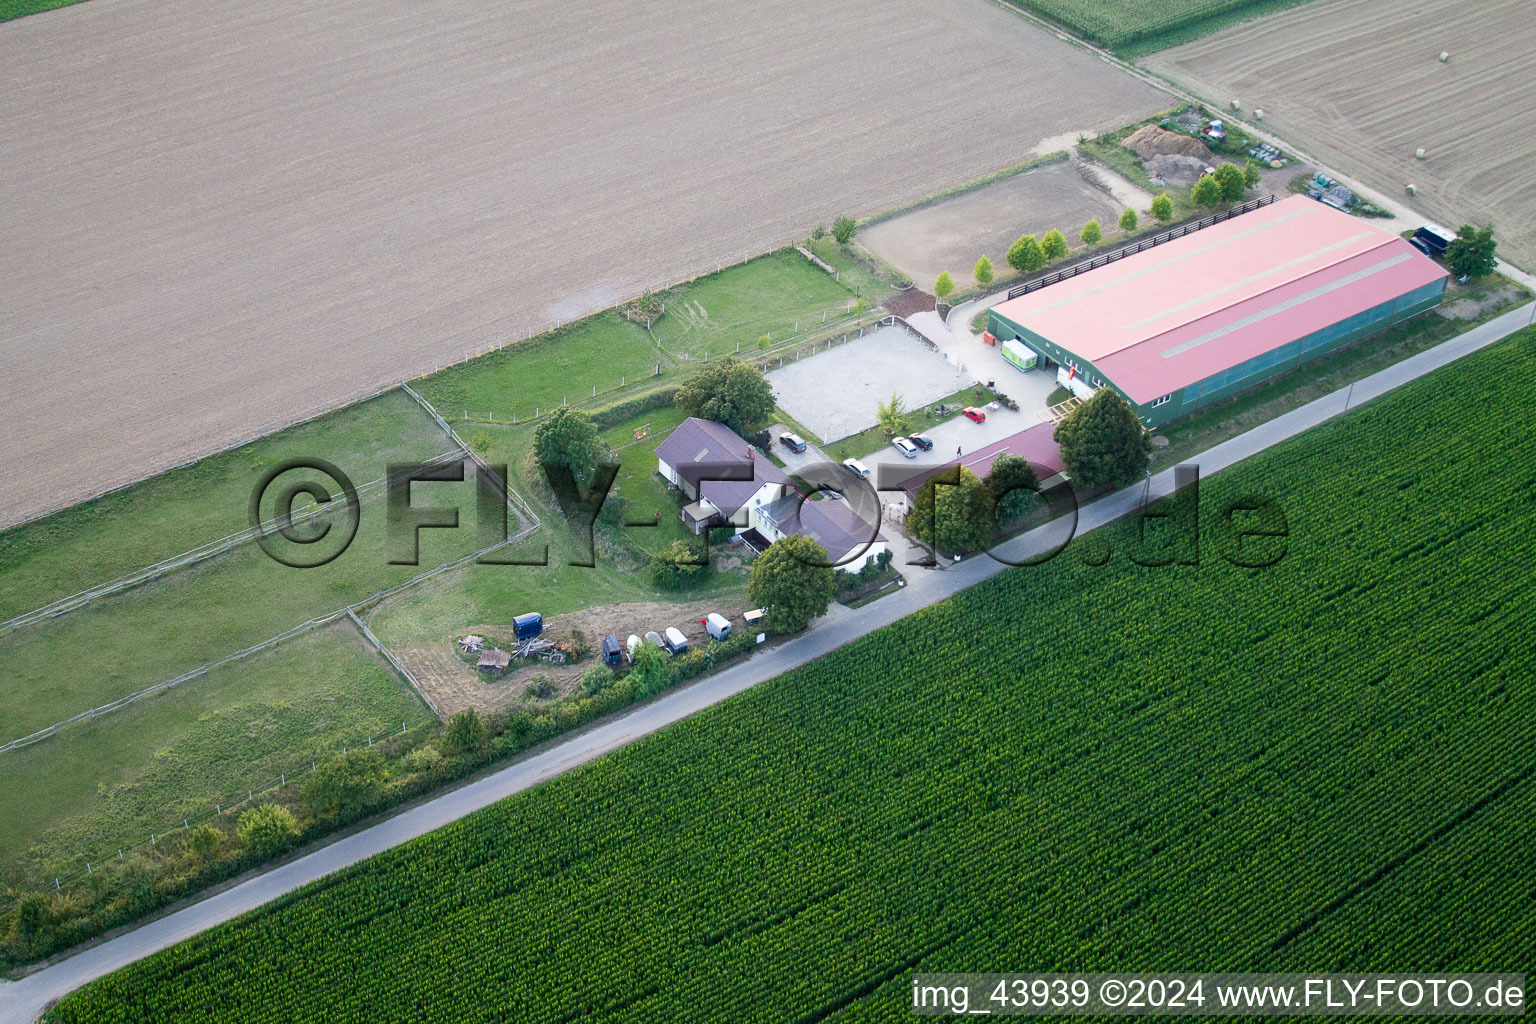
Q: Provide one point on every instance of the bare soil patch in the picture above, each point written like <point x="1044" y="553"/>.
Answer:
<point x="456" y="685"/>
<point x="1360" y="85"/>
<point x="240" y="211"/>
<point x="1149" y="141"/>
<point x="952" y="234"/>
<point x="913" y="300"/>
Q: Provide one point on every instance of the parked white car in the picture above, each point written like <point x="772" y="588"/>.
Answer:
<point x="907" y="448"/>
<point x="857" y="467"/>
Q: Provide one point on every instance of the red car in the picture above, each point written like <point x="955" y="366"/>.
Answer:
<point x="974" y="414"/>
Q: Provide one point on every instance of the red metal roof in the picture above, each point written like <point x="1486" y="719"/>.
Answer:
<point x="1173" y="315"/>
<point x="1035" y="444"/>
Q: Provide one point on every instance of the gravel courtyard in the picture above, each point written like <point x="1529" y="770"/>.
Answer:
<point x="837" y="392"/>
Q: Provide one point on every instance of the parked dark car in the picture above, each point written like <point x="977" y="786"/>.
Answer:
<point x="793" y="442"/>
<point x="924" y="443"/>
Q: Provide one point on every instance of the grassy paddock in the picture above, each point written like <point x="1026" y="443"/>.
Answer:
<point x="61" y="666"/>
<point x="112" y="536"/>
<point x="91" y="789"/>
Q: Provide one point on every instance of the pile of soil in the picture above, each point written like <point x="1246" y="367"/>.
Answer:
<point x="1150" y="141"/>
<point x="913" y="300"/>
<point x="1177" y="170"/>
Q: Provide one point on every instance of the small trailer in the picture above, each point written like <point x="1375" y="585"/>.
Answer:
<point x="754" y="617"/>
<point x="674" y="640"/>
<point x="612" y="655"/>
<point x="630" y="647"/>
<point x="716" y="625"/>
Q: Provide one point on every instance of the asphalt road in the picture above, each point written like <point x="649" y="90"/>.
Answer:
<point x="21" y="1001"/>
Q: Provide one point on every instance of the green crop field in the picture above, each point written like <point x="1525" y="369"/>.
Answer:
<point x="1323" y="764"/>
<point x="1131" y="27"/>
<point x="111" y="783"/>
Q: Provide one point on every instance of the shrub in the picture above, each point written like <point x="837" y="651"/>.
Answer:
<point x="423" y="759"/>
<point x="676" y="568"/>
<point x="1162" y="207"/>
<point x="465" y="734"/>
<point x="1092" y="233"/>
<point x="818" y="232"/>
<point x="596" y="679"/>
<point x="1472" y="253"/>
<point x="267" y="828"/>
<point x="1054" y="245"/>
<point x="346" y="782"/>
<point x="843" y="229"/>
<point x="630" y="408"/>
<point x="1129" y="220"/>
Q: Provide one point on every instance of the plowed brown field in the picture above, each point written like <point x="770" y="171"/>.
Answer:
<point x="220" y="214"/>
<point x="1360" y="85"/>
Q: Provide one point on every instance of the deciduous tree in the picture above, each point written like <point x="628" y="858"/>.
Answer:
<point x="569" y="438"/>
<point x="728" y="392"/>
<point x="983" y="272"/>
<point x="1102" y="443"/>
<point x="953" y="516"/>
<point x="1232" y="182"/>
<point x="1025" y="255"/>
<point x="1472" y="252"/>
<point x="1129" y="220"/>
<point x="793" y="582"/>
<point x="465" y="734"/>
<point x="1054" y="245"/>
<point x="1207" y="193"/>
<point x="1013" y="484"/>
<point x="1092" y="233"/>
<point x="346" y="782"/>
<point x="1162" y="207"/>
<point x="944" y="285"/>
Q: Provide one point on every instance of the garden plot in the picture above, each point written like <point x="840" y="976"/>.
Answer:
<point x="838" y="392"/>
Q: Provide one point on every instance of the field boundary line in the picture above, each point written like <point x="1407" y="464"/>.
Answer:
<point x="378" y="645"/>
<point x="150" y="573"/>
<point x="514" y="500"/>
<point x="92" y="714"/>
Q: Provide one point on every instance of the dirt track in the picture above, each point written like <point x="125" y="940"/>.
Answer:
<point x="222" y="214"/>
<point x="1358" y="83"/>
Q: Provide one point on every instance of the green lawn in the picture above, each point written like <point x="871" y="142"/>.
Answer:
<point x="1076" y="765"/>
<point x="721" y="314"/>
<point x="863" y="274"/>
<point x="110" y="537"/>
<point x="642" y="487"/>
<point x="93" y="788"/>
<point x="601" y="351"/>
